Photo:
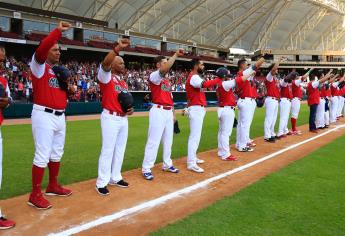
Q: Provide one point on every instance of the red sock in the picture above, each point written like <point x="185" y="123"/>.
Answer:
<point x="293" y="124"/>
<point x="54" y="168"/>
<point x="37" y="176"/>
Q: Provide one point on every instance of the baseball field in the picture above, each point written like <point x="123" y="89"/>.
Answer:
<point x="267" y="192"/>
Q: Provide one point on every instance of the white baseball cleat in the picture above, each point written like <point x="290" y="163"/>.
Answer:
<point x="199" y="161"/>
<point x="196" y="169"/>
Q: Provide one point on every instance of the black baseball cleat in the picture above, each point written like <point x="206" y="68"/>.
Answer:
<point x="270" y="140"/>
<point x="102" y="191"/>
<point x="121" y="184"/>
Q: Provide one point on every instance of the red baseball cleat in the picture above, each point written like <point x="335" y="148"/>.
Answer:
<point x="6" y="224"/>
<point x="58" y="191"/>
<point x="38" y="201"/>
<point x="230" y="158"/>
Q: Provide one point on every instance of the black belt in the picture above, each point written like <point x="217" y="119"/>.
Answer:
<point x="232" y="107"/>
<point x="57" y="113"/>
<point x="274" y="98"/>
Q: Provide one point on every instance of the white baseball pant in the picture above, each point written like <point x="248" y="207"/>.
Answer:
<point x="114" y="140"/>
<point x="253" y="106"/>
<point x="271" y="106"/>
<point x="226" y="116"/>
<point x="285" y="106"/>
<point x="161" y="127"/>
<point x="196" y="119"/>
<point x="245" y="110"/>
<point x="333" y="109"/>
<point x="295" y="107"/>
<point x="49" y="133"/>
<point x="340" y="105"/>
<point x="320" y="114"/>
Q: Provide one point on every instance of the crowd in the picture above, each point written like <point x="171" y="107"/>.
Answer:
<point x="83" y="78"/>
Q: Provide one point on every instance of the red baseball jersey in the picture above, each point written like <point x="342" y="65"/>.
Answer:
<point x="272" y="87"/>
<point x="161" y="93"/>
<point x="296" y="90"/>
<point x="46" y="90"/>
<point x="244" y="88"/>
<point x="225" y="98"/>
<point x="313" y="94"/>
<point x="195" y="96"/>
<point x="110" y="92"/>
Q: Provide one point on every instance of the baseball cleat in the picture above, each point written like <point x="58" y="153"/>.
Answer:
<point x="199" y="161"/>
<point x="102" y="191"/>
<point x="6" y="224"/>
<point x="313" y="131"/>
<point x="58" y="191"/>
<point x="121" y="183"/>
<point x="270" y="140"/>
<point x="196" y="169"/>
<point x="148" y="175"/>
<point x="39" y="202"/>
<point x="251" y="144"/>
<point x="246" y="149"/>
<point x="230" y="158"/>
<point x="171" y="169"/>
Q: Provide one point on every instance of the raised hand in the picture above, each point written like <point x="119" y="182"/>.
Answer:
<point x="180" y="52"/>
<point x="63" y="26"/>
<point x="124" y="42"/>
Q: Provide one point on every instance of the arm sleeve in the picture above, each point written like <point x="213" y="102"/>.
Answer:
<point x="269" y="77"/>
<point x="227" y="85"/>
<point x="298" y="82"/>
<point x="156" y="77"/>
<point x="196" y="81"/>
<point x="103" y="76"/>
<point x="283" y="83"/>
<point x="48" y="42"/>
<point x="37" y="69"/>
<point x="315" y="84"/>
<point x="210" y="83"/>
<point x="248" y="71"/>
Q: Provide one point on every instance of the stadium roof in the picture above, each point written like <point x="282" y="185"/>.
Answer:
<point x="247" y="24"/>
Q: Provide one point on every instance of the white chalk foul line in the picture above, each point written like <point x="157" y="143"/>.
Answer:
<point x="178" y="193"/>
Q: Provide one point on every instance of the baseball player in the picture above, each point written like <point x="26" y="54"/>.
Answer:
<point x="334" y="101"/>
<point x="5" y="100"/>
<point x="326" y="93"/>
<point x="296" y="85"/>
<point x="321" y="115"/>
<point x="114" y="122"/>
<point x="245" y="103"/>
<point x="271" y="102"/>
<point x="48" y="118"/>
<point x="250" y="142"/>
<point x="196" y="100"/>
<point x="161" y="117"/>
<point x="226" y="112"/>
<point x="340" y="98"/>
<point x="314" y="99"/>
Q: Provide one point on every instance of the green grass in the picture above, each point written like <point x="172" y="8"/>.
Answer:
<point x="83" y="143"/>
<point x="306" y="198"/>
